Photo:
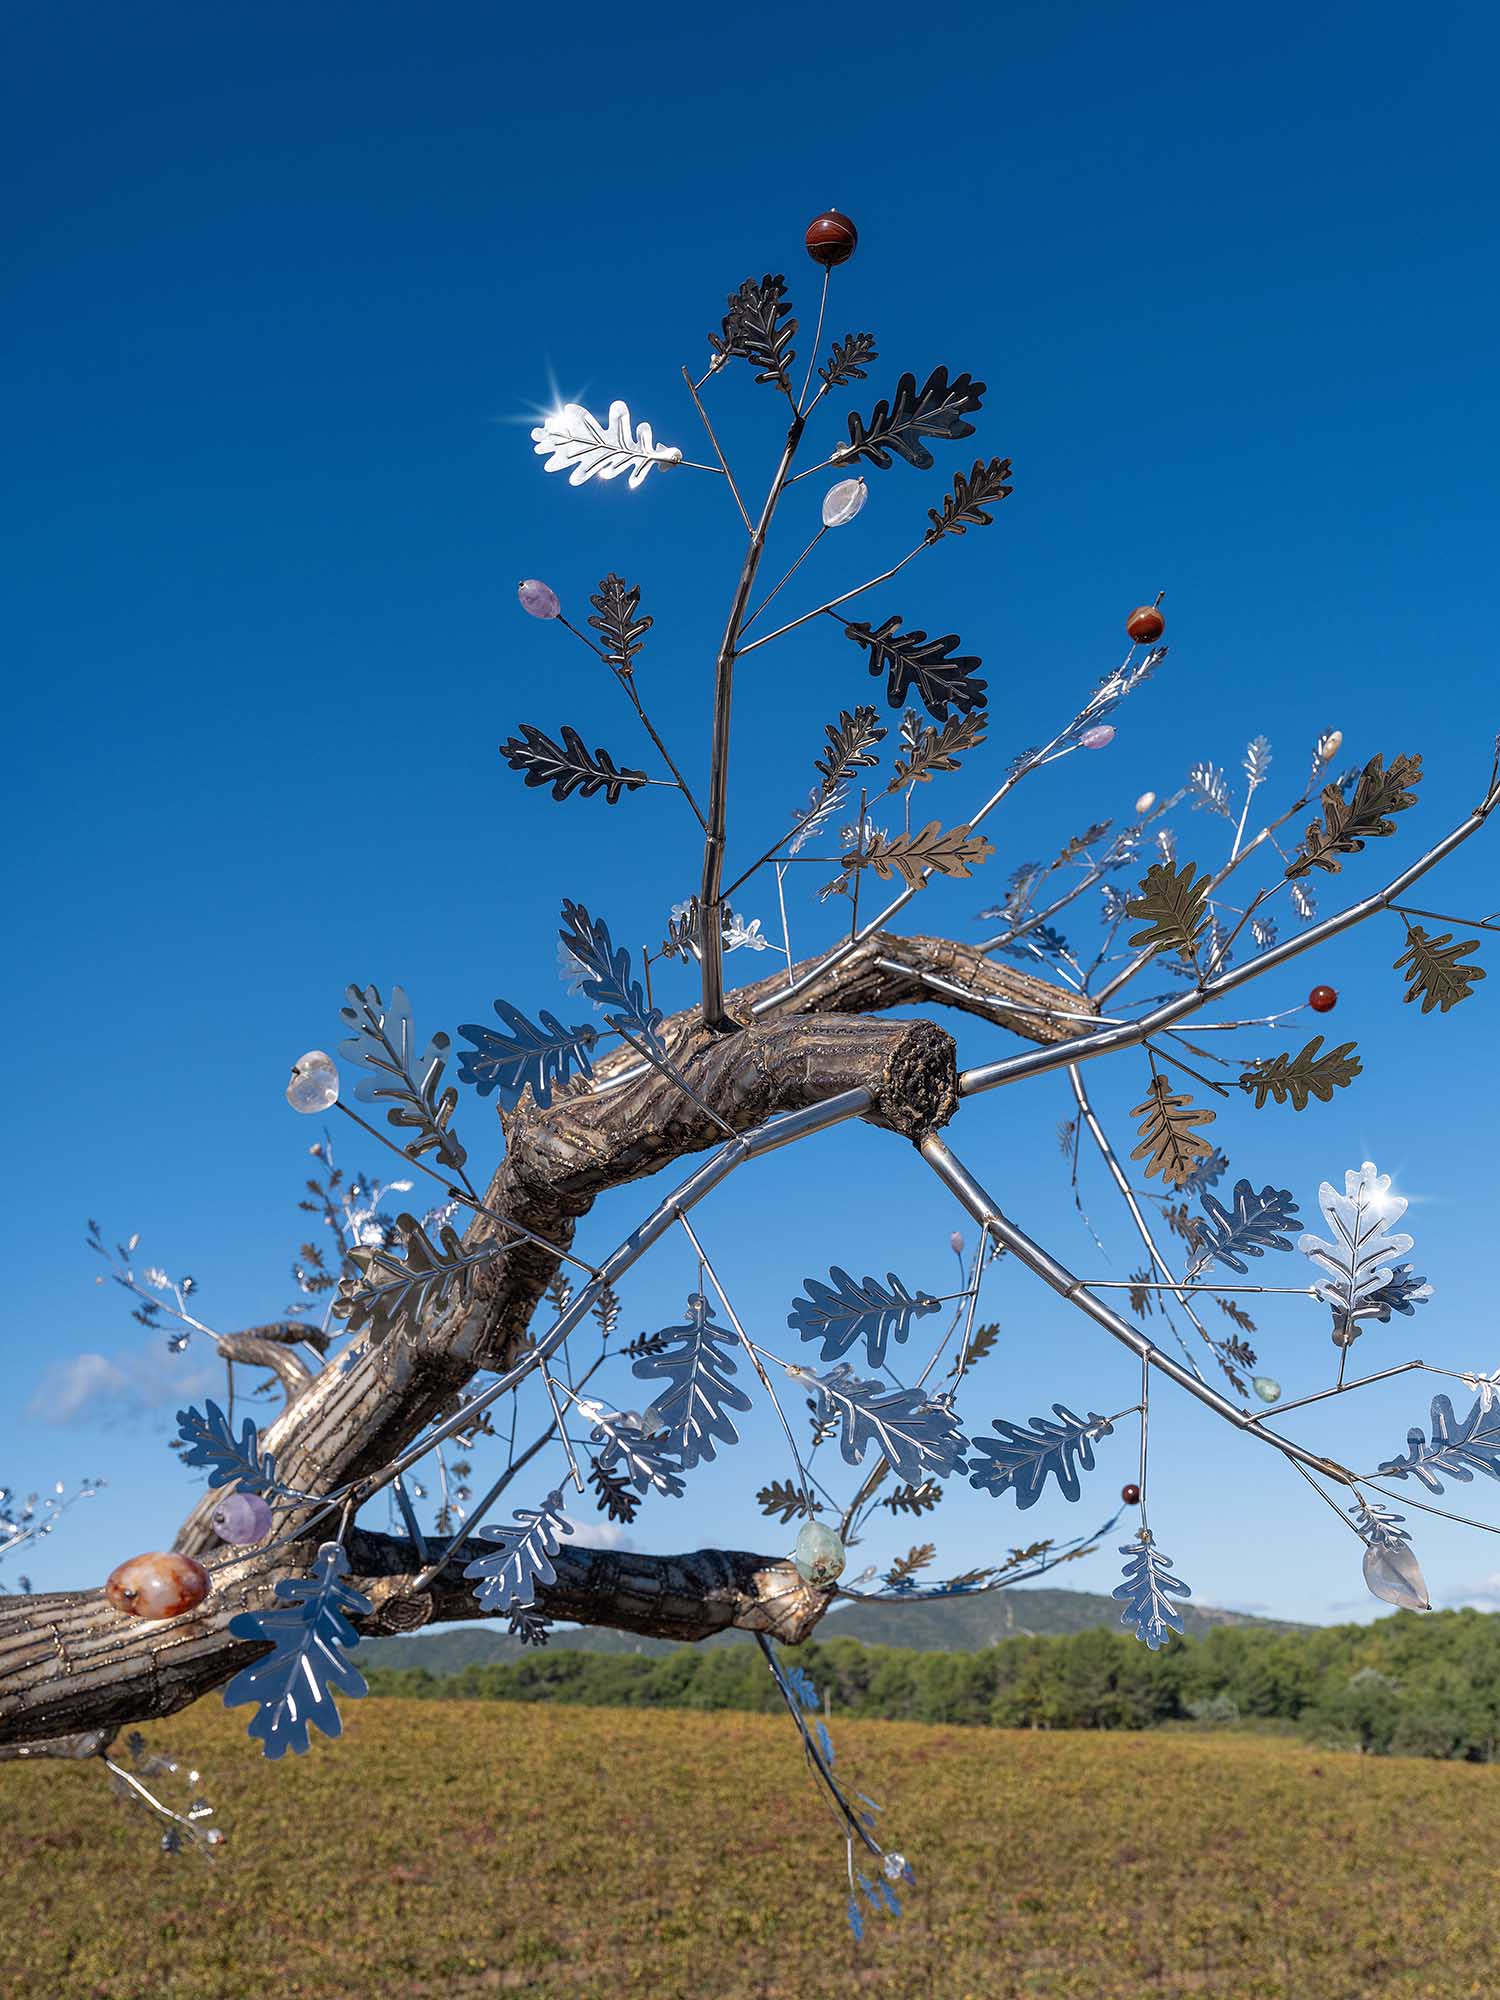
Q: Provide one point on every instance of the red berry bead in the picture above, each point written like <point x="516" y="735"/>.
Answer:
<point x="1145" y="625"/>
<point x="831" y="238"/>
<point x="158" y="1586"/>
<point x="1322" y="999"/>
<point x="1131" y="1495"/>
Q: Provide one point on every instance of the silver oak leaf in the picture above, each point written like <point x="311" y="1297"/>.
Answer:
<point x="585" y="449"/>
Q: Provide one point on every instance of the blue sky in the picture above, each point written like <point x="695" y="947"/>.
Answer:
<point x="288" y="284"/>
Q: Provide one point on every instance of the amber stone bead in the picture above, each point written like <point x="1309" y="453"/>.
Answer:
<point x="831" y="238"/>
<point x="158" y="1586"/>
<point x="1145" y="625"/>
<point x="1323" y="999"/>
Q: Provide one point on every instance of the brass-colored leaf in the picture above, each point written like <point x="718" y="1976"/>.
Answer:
<point x="1171" y="900"/>
<point x="1237" y="1313"/>
<point x="1434" y="968"/>
<point x="1142" y="1294"/>
<point x="981" y="1345"/>
<point x="1301" y="1076"/>
<point x="956" y="852"/>
<point x="935" y="750"/>
<point x="1347" y="823"/>
<point x="850" y="747"/>
<point x="914" y="1559"/>
<point x="784" y="1500"/>
<point x="1169" y="1144"/>
<point x="914" y="1499"/>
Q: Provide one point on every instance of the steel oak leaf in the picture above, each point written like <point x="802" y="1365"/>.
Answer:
<point x="1021" y="1459"/>
<point x="616" y="618"/>
<point x="508" y="1579"/>
<point x="1256" y="1223"/>
<point x="1171" y="901"/>
<point x="541" y="1054"/>
<point x="1348" y="822"/>
<point x="567" y="766"/>
<point x="310" y="1639"/>
<point x="585" y="449"/>
<point x="939" y="409"/>
<point x="1457" y="1449"/>
<point x="910" y="660"/>
<point x="845" y="1312"/>
<point x="211" y="1442"/>
<point x="1147" y="1593"/>
<point x="964" y="507"/>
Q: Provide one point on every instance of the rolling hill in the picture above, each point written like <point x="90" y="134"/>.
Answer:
<point x="960" y="1626"/>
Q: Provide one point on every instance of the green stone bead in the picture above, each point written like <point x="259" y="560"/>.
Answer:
<point x="818" y="1555"/>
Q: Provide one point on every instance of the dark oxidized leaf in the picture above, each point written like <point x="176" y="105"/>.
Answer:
<point x="754" y="331"/>
<point x="910" y="660"/>
<point x="847" y="361"/>
<point x="618" y="620"/>
<point x="939" y="409"/>
<point x="964" y="507"/>
<point x="567" y="766"/>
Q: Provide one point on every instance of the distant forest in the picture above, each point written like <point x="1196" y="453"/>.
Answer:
<point x="1406" y="1686"/>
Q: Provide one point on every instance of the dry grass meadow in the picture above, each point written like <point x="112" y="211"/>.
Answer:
<point x="443" y="1852"/>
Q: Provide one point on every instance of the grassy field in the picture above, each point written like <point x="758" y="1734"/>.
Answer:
<point x="489" y="1848"/>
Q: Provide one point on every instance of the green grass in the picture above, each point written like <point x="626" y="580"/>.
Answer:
<point x="489" y="1848"/>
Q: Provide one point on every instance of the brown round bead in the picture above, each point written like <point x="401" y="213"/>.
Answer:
<point x="1145" y="625"/>
<point x="1323" y="999"/>
<point x="1131" y="1495"/>
<point x="158" y="1586"/>
<point x="831" y="238"/>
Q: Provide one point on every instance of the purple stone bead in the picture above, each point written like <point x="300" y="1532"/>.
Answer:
<point x="243" y="1519"/>
<point x="1098" y="737"/>
<point x="538" y="600"/>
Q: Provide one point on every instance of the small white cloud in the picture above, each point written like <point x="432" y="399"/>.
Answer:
<point x="597" y="1535"/>
<point x="100" y="1388"/>
<point x="1483" y="1595"/>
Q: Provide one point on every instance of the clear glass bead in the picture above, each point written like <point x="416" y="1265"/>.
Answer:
<point x="538" y="599"/>
<point x="818" y="1555"/>
<point x="314" y="1084"/>
<point x="842" y="502"/>
<point x="1395" y="1576"/>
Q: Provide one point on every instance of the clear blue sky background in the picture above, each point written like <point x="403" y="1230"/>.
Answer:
<point x="284" y="280"/>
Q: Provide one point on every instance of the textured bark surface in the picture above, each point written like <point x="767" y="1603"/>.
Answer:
<point x="70" y="1664"/>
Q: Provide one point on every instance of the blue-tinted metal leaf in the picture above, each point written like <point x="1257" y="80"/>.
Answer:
<point x="649" y="1462"/>
<point x="212" y="1443"/>
<point x="382" y="1041"/>
<point x="1208" y="1173"/>
<point x="293" y="1684"/>
<point x="1020" y="1460"/>
<point x="1458" y="1448"/>
<point x="825" y="1744"/>
<point x="919" y="1435"/>
<point x="800" y="1681"/>
<point x="1256" y="1223"/>
<point x="844" y="1312"/>
<point x="607" y="980"/>
<point x="856" y="1919"/>
<point x="540" y="1054"/>
<point x="1147" y="1593"/>
<point x="1377" y="1524"/>
<point x="1361" y="1260"/>
<point x="1404" y="1293"/>
<point x="696" y="1360"/>
<point x="523" y="1559"/>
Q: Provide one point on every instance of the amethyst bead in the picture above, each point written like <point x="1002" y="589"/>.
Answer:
<point x="242" y="1519"/>
<point x="538" y="600"/>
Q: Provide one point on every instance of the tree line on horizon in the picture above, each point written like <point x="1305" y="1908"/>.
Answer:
<point x="1404" y="1686"/>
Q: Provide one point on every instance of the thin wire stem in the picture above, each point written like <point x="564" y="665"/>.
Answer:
<point x="718" y="454"/>
<point x="817" y="339"/>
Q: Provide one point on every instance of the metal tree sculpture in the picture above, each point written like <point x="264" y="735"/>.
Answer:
<point x="443" y="1315"/>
